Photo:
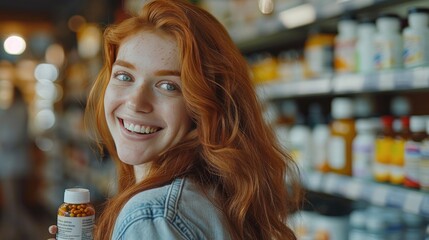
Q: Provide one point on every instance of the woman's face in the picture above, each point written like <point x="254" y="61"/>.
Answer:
<point x="144" y="105"/>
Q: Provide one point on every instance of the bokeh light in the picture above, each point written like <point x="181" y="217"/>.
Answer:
<point x="14" y="45"/>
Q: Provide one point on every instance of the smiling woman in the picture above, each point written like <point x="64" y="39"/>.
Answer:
<point x="175" y="107"/>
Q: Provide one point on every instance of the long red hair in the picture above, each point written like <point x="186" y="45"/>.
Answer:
<point x="230" y="149"/>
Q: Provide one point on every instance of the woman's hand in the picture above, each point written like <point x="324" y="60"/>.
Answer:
<point x="52" y="230"/>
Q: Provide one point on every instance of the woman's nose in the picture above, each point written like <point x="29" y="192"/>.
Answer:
<point x="140" y="100"/>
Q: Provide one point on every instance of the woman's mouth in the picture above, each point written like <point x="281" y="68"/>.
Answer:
<point x="140" y="129"/>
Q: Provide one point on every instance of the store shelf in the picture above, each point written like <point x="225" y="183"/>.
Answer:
<point x="298" y="88"/>
<point x="324" y="10"/>
<point x="394" y="80"/>
<point x="385" y="195"/>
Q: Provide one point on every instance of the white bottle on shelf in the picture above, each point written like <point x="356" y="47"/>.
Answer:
<point x="413" y="156"/>
<point x="416" y="38"/>
<point x="414" y="226"/>
<point x="363" y="149"/>
<point x="388" y="42"/>
<point x="345" y="45"/>
<point x="365" y="46"/>
<point x="300" y="144"/>
<point x="358" y="220"/>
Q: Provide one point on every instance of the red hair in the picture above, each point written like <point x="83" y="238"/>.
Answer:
<point x="231" y="148"/>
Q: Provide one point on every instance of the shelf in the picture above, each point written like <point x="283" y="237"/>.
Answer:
<point x="394" y="80"/>
<point x="385" y="195"/>
<point x="283" y="36"/>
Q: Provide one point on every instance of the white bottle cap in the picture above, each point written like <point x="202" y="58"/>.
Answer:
<point x="418" y="124"/>
<point x="342" y="108"/>
<point x="76" y="195"/>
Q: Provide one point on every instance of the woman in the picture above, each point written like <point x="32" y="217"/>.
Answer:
<point x="181" y="118"/>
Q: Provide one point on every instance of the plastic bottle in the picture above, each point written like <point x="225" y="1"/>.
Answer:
<point x="383" y="150"/>
<point x="388" y="42"/>
<point x="413" y="151"/>
<point x="402" y="134"/>
<point x="320" y="134"/>
<point x="363" y="149"/>
<point x="424" y="163"/>
<point x="318" y="54"/>
<point x="342" y="135"/>
<point x="300" y="141"/>
<point x="345" y="45"/>
<point x="358" y="220"/>
<point x="376" y="227"/>
<point x="416" y="38"/>
<point x="395" y="224"/>
<point x="365" y="46"/>
<point x="76" y="215"/>
<point x="414" y="226"/>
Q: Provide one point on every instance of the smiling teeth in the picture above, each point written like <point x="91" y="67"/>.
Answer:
<point x="139" y="129"/>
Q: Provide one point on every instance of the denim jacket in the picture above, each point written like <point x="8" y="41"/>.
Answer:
<point x="179" y="210"/>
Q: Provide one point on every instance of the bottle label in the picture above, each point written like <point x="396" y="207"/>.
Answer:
<point x="412" y="160"/>
<point x="385" y="55"/>
<point x="413" y="50"/>
<point x="75" y="228"/>
<point x="344" y="56"/>
<point x="363" y="154"/>
<point x="337" y="153"/>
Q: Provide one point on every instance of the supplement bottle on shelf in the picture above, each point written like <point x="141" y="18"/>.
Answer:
<point x="345" y="45"/>
<point x="401" y="127"/>
<point x="320" y="134"/>
<point x="318" y="54"/>
<point x="416" y="38"/>
<point x="413" y="154"/>
<point x="300" y="144"/>
<point x="342" y="135"/>
<point x="363" y="149"/>
<point x="383" y="150"/>
<point x="76" y="215"/>
<point x="388" y="42"/>
<point x="357" y="223"/>
<point x="424" y="163"/>
<point x="365" y="46"/>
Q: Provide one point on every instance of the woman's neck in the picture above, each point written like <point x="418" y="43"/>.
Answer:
<point x="141" y="171"/>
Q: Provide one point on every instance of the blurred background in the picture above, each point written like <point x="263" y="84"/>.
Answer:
<point x="345" y="85"/>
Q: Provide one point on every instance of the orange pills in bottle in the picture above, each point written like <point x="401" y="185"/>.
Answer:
<point x="76" y="215"/>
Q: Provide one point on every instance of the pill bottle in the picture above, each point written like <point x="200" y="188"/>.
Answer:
<point x="318" y="54"/>
<point x="76" y="215"/>
<point x="376" y="226"/>
<point x="401" y="127"/>
<point x="342" y="134"/>
<point x="357" y="228"/>
<point x="363" y="149"/>
<point x="413" y="147"/>
<point x="300" y="144"/>
<point x="365" y="46"/>
<point x="383" y="150"/>
<point x="388" y="42"/>
<point x="424" y="163"/>
<point x="416" y="38"/>
<point x="345" y="45"/>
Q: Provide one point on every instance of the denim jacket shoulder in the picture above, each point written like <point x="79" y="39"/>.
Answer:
<point x="179" y="210"/>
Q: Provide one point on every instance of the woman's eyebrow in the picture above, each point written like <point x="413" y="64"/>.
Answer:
<point x="124" y="64"/>
<point x="167" y="73"/>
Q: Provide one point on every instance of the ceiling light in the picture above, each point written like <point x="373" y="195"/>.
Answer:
<point x="298" y="16"/>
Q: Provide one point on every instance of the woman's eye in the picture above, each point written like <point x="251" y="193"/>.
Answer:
<point x="168" y="86"/>
<point x="122" y="77"/>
